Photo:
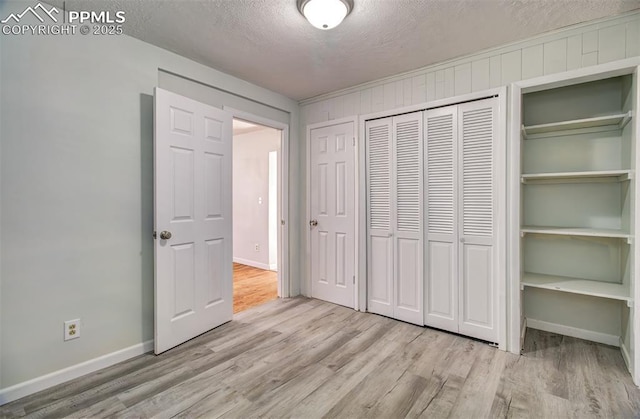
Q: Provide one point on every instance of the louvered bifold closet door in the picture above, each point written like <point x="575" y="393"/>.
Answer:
<point x="441" y="174"/>
<point x="380" y="212"/>
<point x="477" y="127"/>
<point x="408" y="286"/>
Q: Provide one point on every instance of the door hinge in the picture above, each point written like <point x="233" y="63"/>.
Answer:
<point x="354" y="279"/>
<point x="354" y="141"/>
<point x="281" y="222"/>
<point x="155" y="235"/>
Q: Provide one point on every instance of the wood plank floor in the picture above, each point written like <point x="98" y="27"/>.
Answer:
<point x="306" y="358"/>
<point x="252" y="287"/>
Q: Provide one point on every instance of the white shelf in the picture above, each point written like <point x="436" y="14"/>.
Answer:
<point x="579" y="177"/>
<point x="575" y="231"/>
<point x="577" y="286"/>
<point x="577" y="126"/>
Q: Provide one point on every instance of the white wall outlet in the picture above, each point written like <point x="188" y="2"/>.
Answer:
<point x="71" y="329"/>
<point x="256" y="247"/>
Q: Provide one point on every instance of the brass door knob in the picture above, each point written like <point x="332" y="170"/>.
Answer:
<point x="165" y="235"/>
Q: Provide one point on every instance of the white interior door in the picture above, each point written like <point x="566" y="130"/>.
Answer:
<point x="380" y="269"/>
<point x="477" y="127"/>
<point x="193" y="253"/>
<point x="333" y="213"/>
<point x="441" y="149"/>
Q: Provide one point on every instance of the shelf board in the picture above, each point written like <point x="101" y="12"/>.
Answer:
<point x="595" y="124"/>
<point x="577" y="286"/>
<point x="578" y="177"/>
<point x="576" y="231"/>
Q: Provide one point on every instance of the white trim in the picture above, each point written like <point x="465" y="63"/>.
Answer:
<point x="284" y="280"/>
<point x="515" y="317"/>
<point x="253" y="263"/>
<point x="575" y="332"/>
<point x="578" y="29"/>
<point x="273" y="267"/>
<point x="43" y="382"/>
<point x="502" y="224"/>
<point x="625" y="356"/>
<point x="425" y="106"/>
<point x="357" y="203"/>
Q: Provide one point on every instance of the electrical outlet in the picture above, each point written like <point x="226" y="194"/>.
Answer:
<point x="72" y="329"/>
<point x="256" y="247"/>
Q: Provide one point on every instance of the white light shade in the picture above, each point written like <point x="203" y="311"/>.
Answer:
<point x="325" y="14"/>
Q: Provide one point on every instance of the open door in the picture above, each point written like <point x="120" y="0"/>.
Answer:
<point x="193" y="228"/>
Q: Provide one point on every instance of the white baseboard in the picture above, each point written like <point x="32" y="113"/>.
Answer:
<point x="253" y="263"/>
<point x="273" y="267"/>
<point x="44" y="382"/>
<point x="625" y="355"/>
<point x="560" y="329"/>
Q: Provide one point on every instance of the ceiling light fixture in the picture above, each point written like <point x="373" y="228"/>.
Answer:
<point x="325" y="14"/>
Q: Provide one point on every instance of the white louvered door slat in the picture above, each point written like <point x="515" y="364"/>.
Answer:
<point x="441" y="149"/>
<point x="378" y="139"/>
<point x="477" y="127"/>
<point x="408" y="287"/>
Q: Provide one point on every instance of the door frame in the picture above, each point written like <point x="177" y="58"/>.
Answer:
<point x="357" y="205"/>
<point x="284" y="284"/>
<point x="503" y="285"/>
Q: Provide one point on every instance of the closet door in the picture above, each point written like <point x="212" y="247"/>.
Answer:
<point x="407" y="177"/>
<point x="477" y="128"/>
<point x="380" y="212"/>
<point x="441" y="149"/>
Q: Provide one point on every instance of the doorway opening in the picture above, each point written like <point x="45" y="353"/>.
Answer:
<point x="257" y="160"/>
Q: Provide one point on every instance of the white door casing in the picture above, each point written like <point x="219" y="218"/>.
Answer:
<point x="333" y="213"/>
<point x="193" y="268"/>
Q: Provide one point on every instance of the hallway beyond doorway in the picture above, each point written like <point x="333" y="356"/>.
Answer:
<point x="252" y="287"/>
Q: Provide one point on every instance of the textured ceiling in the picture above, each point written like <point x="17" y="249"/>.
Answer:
<point x="269" y="43"/>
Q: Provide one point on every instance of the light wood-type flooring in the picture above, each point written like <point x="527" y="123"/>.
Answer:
<point x="306" y="358"/>
<point x="252" y="287"/>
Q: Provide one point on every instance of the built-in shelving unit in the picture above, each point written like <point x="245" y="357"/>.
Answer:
<point x="579" y="177"/>
<point x="577" y="259"/>
<point x="575" y="231"/>
<point x="577" y="126"/>
<point x="577" y="286"/>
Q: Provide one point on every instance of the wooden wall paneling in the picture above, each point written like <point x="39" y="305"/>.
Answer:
<point x="389" y="96"/>
<point x="377" y="99"/>
<point x="532" y="61"/>
<point x="462" y="79"/>
<point x="399" y="86"/>
<point x="612" y="43"/>
<point x="365" y="101"/>
<point x="574" y="52"/>
<point x="352" y="104"/>
<point x="449" y="82"/>
<point x="481" y="75"/>
<point x="495" y="71"/>
<point x="633" y="38"/>
<point x="589" y="42"/>
<point x="511" y="68"/>
<point x="430" y="86"/>
<point x="418" y="89"/>
<point x="439" y="84"/>
<point x="407" y="91"/>
<point x="555" y="56"/>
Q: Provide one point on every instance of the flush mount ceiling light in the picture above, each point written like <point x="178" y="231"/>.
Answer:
<point x="325" y="14"/>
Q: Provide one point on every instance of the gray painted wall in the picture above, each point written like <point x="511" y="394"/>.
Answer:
<point x="76" y="192"/>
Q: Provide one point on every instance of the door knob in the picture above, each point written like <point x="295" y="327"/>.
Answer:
<point x="313" y="223"/>
<point x="165" y="235"/>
